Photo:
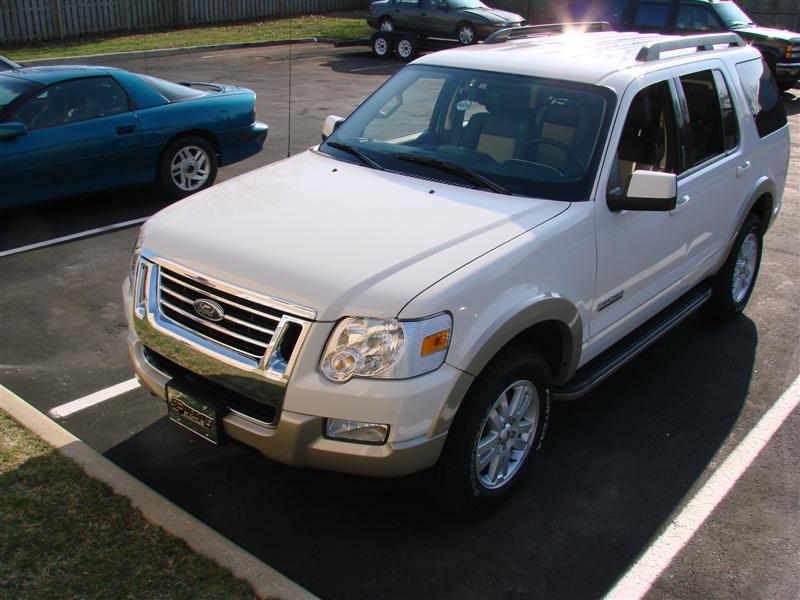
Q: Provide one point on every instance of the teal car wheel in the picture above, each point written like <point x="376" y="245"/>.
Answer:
<point x="187" y="166"/>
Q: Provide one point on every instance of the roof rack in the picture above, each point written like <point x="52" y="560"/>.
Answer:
<point x="513" y="33"/>
<point x="707" y="42"/>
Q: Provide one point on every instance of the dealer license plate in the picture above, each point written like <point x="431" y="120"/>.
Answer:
<point x="197" y="415"/>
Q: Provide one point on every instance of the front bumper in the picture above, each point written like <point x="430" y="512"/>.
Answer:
<point x="296" y="437"/>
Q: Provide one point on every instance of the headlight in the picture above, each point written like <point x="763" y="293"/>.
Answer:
<point x="386" y="348"/>
<point x="137" y="248"/>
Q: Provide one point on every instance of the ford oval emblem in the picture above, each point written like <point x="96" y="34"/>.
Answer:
<point x="208" y="309"/>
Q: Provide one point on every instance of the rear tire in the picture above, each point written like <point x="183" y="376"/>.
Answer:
<point x="386" y="24"/>
<point x="495" y="435"/>
<point x="188" y="165"/>
<point x="406" y="48"/>
<point x="734" y="283"/>
<point x="381" y="45"/>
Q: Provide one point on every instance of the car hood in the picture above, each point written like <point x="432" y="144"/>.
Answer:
<point x="336" y="237"/>
<point x="493" y="14"/>
<point x="768" y="32"/>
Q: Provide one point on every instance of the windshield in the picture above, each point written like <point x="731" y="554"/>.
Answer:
<point x="174" y="92"/>
<point x="732" y="15"/>
<point x="466" y="4"/>
<point x="523" y="135"/>
<point x="12" y="88"/>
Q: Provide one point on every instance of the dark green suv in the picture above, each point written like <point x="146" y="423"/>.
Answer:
<point x="780" y="48"/>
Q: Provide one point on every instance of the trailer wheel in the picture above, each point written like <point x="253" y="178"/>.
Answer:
<point x="381" y="45"/>
<point x="407" y="47"/>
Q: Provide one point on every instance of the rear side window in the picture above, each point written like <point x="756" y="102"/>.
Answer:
<point x="705" y="125"/>
<point x="762" y="96"/>
<point x="730" y="131"/>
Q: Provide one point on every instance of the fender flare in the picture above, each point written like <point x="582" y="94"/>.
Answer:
<point x="548" y="308"/>
<point x="551" y="307"/>
<point x="764" y="186"/>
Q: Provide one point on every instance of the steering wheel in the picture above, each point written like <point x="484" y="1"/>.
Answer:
<point x="571" y="154"/>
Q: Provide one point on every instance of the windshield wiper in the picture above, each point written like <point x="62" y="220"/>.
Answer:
<point x="450" y="167"/>
<point x="366" y="159"/>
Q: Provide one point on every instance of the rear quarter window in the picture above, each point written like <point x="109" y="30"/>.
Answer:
<point x="763" y="96"/>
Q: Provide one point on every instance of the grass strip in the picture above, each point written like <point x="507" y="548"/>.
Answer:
<point x="340" y="26"/>
<point x="65" y="535"/>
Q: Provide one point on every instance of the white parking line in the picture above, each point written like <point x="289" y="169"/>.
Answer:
<point x="73" y="236"/>
<point x="92" y="399"/>
<point x="645" y="571"/>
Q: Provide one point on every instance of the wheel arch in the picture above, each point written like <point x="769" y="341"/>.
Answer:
<point x="552" y="325"/>
<point x="762" y="203"/>
<point x="201" y="133"/>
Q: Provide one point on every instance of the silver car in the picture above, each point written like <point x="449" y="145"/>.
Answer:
<point x="465" y="20"/>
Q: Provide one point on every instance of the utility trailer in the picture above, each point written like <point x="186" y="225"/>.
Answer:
<point x="406" y="46"/>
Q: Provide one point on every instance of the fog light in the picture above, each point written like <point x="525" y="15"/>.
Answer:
<point x="356" y="431"/>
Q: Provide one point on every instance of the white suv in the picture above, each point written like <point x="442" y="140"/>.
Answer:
<point x="496" y="227"/>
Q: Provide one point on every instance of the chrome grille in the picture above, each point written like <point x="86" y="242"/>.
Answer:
<point x="246" y="327"/>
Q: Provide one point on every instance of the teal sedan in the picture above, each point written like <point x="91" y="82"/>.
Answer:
<point x="464" y="20"/>
<point x="70" y="130"/>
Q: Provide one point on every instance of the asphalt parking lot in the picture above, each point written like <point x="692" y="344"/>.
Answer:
<point x="617" y="465"/>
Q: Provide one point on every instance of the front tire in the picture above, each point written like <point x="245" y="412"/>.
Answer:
<point x="500" y="426"/>
<point x="188" y="165"/>
<point x="381" y="45"/>
<point x="733" y="285"/>
<point x="465" y="34"/>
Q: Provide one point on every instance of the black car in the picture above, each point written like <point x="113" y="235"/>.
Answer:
<point x="780" y="48"/>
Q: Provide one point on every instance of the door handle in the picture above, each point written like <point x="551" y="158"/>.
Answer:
<point x="125" y="129"/>
<point x="742" y="168"/>
<point x="679" y="204"/>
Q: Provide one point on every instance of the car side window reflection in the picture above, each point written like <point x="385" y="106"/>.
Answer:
<point x="72" y="101"/>
<point x="648" y="141"/>
<point x="706" y="138"/>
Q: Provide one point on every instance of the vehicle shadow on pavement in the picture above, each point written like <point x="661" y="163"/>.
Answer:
<point x="67" y="216"/>
<point x="614" y="467"/>
<point x="363" y="63"/>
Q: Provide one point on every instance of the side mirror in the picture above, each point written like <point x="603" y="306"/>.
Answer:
<point x="12" y="129"/>
<point x="330" y="125"/>
<point x="647" y="190"/>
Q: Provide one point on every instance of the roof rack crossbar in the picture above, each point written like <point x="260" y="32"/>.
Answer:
<point x="512" y="33"/>
<point x="653" y="51"/>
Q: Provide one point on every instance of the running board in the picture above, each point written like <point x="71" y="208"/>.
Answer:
<point x="603" y="366"/>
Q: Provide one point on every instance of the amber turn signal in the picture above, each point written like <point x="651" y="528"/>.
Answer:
<point x="435" y="342"/>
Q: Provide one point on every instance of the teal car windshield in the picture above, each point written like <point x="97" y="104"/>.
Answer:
<point x="12" y="88"/>
<point x="513" y="134"/>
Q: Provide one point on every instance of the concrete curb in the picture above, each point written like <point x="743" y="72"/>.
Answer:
<point x="266" y="581"/>
<point x="36" y="62"/>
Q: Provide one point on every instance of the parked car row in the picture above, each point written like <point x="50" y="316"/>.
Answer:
<point x="468" y="21"/>
<point x="76" y="129"/>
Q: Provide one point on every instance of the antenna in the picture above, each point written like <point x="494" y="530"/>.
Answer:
<point x="289" y="136"/>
